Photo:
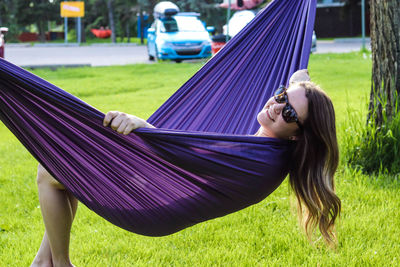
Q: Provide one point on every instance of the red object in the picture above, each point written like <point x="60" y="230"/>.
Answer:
<point x="99" y="33"/>
<point x="1" y="45"/>
<point x="3" y="30"/>
<point x="28" y="37"/>
<point x="216" y="46"/>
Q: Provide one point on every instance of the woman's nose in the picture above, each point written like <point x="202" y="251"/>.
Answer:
<point x="272" y="102"/>
<point x="269" y="103"/>
<point x="278" y="108"/>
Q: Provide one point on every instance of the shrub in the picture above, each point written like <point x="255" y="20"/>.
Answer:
<point x="372" y="148"/>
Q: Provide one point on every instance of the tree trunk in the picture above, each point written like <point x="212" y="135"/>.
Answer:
<point x="42" y="35"/>
<point x="141" y="26"/>
<point x="83" y="33"/>
<point x="111" y="20"/>
<point x="385" y="43"/>
<point x="128" y="31"/>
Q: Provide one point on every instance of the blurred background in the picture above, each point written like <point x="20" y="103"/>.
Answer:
<point x="40" y="20"/>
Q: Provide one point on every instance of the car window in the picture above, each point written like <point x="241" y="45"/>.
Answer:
<point x="189" y="24"/>
<point x="182" y="24"/>
<point x="169" y="25"/>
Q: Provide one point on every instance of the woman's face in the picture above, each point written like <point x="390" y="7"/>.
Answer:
<point x="271" y="120"/>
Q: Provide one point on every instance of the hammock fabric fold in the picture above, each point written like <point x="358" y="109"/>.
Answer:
<point x="201" y="162"/>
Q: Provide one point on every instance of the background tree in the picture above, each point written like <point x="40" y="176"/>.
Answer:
<point x="96" y="16"/>
<point x="374" y="147"/>
<point x="148" y="5"/>
<point x="127" y="11"/>
<point x="120" y="15"/>
<point x="8" y="10"/>
<point x="37" y="12"/>
<point x="110" y="7"/>
<point x="209" y="10"/>
<point x="385" y="43"/>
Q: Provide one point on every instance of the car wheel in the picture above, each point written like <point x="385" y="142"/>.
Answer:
<point x="151" y="58"/>
<point x="178" y="60"/>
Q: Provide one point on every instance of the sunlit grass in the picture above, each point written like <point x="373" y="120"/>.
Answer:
<point x="92" y="40"/>
<point x="266" y="234"/>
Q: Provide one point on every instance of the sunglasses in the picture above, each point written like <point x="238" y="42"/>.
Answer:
<point x="289" y="114"/>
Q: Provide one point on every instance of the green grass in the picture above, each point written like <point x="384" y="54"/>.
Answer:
<point x="90" y="40"/>
<point x="266" y="234"/>
<point x="372" y="148"/>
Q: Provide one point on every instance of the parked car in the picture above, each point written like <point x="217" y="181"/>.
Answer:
<point x="238" y="21"/>
<point x="314" y="43"/>
<point x="177" y="36"/>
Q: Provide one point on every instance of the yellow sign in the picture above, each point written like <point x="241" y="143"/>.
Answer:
<point x="72" y="9"/>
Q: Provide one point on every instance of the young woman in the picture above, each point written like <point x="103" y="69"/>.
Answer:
<point x="303" y="113"/>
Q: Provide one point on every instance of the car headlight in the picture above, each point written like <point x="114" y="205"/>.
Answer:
<point x="162" y="43"/>
<point x="165" y="43"/>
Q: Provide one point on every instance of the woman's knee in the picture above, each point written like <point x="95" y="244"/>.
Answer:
<point x="45" y="178"/>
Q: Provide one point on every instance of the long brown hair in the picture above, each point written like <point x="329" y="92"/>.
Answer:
<point x="316" y="158"/>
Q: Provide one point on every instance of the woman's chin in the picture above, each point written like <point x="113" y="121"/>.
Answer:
<point x="263" y="119"/>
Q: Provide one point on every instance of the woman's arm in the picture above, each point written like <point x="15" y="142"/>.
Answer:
<point x="124" y="123"/>
<point x="300" y="76"/>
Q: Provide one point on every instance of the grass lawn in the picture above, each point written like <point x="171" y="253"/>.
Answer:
<point x="266" y="234"/>
<point x="91" y="40"/>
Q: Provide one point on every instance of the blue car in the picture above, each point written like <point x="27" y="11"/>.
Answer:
<point x="178" y="37"/>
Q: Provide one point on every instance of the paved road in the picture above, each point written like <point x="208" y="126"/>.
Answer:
<point x="340" y="46"/>
<point x="76" y="55"/>
<point x="106" y="55"/>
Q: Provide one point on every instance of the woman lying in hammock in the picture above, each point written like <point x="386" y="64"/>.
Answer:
<point x="303" y="113"/>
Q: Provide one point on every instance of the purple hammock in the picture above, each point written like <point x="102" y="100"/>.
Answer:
<point x="201" y="162"/>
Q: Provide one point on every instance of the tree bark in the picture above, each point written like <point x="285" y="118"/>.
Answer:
<point x="385" y="44"/>
<point x="83" y="33"/>
<point x="41" y="28"/>
<point x="111" y="20"/>
<point x="128" y="31"/>
<point x="141" y="26"/>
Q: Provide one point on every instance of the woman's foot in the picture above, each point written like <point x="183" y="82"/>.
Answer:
<point x="41" y="263"/>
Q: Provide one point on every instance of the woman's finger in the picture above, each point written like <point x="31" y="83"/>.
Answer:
<point x="122" y="126"/>
<point x="116" y="122"/>
<point x="129" y="128"/>
<point x="109" y="116"/>
<point x="124" y="123"/>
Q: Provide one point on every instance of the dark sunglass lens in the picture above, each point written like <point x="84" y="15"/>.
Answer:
<point x="280" y="98"/>
<point x="280" y="95"/>
<point x="280" y="90"/>
<point x="288" y="114"/>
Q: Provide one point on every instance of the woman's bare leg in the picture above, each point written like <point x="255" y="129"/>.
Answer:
<point x="43" y="256"/>
<point x="58" y="210"/>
